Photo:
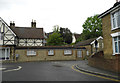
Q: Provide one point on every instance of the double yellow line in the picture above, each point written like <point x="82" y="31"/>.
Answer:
<point x="94" y="74"/>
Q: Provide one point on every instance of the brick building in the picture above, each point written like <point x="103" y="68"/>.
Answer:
<point x="90" y="46"/>
<point x="111" y="39"/>
<point x="28" y="44"/>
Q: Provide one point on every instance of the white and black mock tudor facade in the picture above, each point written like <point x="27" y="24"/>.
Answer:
<point x="12" y="36"/>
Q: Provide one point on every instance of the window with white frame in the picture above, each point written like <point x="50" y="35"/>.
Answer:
<point x="115" y="19"/>
<point x="87" y="52"/>
<point x="4" y="53"/>
<point x="31" y="52"/>
<point x="67" y="52"/>
<point x="116" y="45"/>
<point x="50" y="52"/>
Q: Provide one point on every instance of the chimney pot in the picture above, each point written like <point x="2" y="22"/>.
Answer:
<point x="33" y="23"/>
<point x="12" y="24"/>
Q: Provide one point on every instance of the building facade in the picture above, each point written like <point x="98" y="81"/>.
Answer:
<point x="23" y="44"/>
<point x="110" y="58"/>
<point x="90" y="46"/>
<point x="47" y="53"/>
<point x="111" y="31"/>
<point x="12" y="36"/>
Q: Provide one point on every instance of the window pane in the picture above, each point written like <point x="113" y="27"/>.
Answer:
<point x="119" y="46"/>
<point x="115" y="38"/>
<point x="79" y="53"/>
<point x="114" y="23"/>
<point x="118" y="21"/>
<point x="50" y="52"/>
<point x="116" y="14"/>
<point x="116" y="47"/>
<point x="118" y="37"/>
<point x="31" y="52"/>
<point x="67" y="52"/>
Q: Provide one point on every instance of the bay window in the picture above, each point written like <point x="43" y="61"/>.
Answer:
<point x="115" y="19"/>
<point x="116" y="45"/>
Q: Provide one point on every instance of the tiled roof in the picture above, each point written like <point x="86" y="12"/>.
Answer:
<point x="86" y="42"/>
<point x="28" y="32"/>
<point x="77" y="36"/>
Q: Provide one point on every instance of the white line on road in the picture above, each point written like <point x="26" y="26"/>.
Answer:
<point x="19" y="67"/>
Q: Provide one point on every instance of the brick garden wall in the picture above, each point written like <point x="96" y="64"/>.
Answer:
<point x="99" y="61"/>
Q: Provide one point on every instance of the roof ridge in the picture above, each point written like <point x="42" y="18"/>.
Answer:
<point x="28" y="27"/>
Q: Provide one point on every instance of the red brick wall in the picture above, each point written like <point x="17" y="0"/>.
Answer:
<point x="99" y="61"/>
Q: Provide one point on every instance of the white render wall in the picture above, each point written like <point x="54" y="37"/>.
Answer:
<point x="9" y="36"/>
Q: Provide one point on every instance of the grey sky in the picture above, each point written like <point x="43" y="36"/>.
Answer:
<point x="47" y="13"/>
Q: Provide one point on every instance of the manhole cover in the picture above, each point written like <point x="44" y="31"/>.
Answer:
<point x="57" y="65"/>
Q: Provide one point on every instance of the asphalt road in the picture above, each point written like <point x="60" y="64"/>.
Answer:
<point x="46" y="71"/>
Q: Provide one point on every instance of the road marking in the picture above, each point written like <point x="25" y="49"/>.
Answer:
<point x="2" y="68"/>
<point x="95" y="75"/>
<point x="19" y="67"/>
<point x="97" y="72"/>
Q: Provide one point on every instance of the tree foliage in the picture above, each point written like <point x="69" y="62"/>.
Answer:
<point x="56" y="28"/>
<point x="66" y="34"/>
<point x="92" y="28"/>
<point x="60" y="36"/>
<point x="55" y="39"/>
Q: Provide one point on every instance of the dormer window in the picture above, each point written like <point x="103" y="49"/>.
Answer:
<point x="115" y="19"/>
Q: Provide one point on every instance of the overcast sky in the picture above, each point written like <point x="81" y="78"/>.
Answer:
<point x="47" y="13"/>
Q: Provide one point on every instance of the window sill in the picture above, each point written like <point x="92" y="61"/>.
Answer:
<point x="116" y="54"/>
<point x="67" y="54"/>
<point x="31" y="55"/>
<point x="115" y="28"/>
<point x="50" y="55"/>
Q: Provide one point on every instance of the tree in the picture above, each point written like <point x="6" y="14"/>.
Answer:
<point x="56" y="28"/>
<point x="66" y="34"/>
<point x="55" y="39"/>
<point x="92" y="28"/>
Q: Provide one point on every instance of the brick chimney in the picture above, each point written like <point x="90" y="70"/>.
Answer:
<point x="12" y="24"/>
<point x="33" y="24"/>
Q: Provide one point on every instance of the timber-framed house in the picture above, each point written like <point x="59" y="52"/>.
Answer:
<point x="12" y="37"/>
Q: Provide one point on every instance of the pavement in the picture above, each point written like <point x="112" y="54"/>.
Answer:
<point x="84" y="67"/>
